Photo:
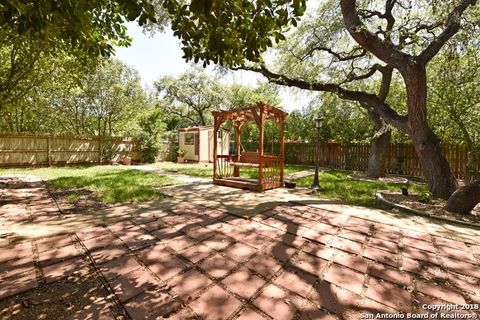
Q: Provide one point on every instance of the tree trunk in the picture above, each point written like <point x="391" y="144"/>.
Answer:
<point x="440" y="179"/>
<point x="470" y="167"/>
<point x="378" y="152"/>
<point x="202" y="118"/>
<point x="465" y="198"/>
<point x="439" y="176"/>
<point x="378" y="145"/>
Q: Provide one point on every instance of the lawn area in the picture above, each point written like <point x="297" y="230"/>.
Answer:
<point x="205" y="170"/>
<point x="107" y="184"/>
<point x="336" y="185"/>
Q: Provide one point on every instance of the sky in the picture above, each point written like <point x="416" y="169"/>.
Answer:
<point x="161" y="55"/>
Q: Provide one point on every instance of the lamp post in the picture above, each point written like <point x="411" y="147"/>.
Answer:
<point x="318" y="124"/>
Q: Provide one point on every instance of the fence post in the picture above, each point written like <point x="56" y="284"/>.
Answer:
<point x="49" y="150"/>
<point x="100" y="150"/>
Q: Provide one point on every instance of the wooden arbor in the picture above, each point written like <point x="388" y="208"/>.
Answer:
<point x="226" y="168"/>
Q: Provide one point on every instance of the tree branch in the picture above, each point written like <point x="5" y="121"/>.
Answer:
<point x="383" y="50"/>
<point x="353" y="54"/>
<point x="371" y="100"/>
<point x="354" y="77"/>
<point x="451" y="28"/>
<point x="387" y="72"/>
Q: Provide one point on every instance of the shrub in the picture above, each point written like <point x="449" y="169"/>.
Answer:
<point x="150" y="136"/>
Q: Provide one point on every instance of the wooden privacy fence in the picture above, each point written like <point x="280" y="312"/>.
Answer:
<point x="401" y="158"/>
<point x="43" y="149"/>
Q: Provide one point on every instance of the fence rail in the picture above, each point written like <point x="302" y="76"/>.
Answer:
<point x="401" y="158"/>
<point x="43" y="149"/>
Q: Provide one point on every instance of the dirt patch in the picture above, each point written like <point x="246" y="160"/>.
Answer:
<point x="59" y="300"/>
<point x="77" y="201"/>
<point x="431" y="206"/>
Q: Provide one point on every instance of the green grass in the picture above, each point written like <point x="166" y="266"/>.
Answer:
<point x="108" y="184"/>
<point x="336" y="185"/>
<point x="189" y="169"/>
<point x="116" y="185"/>
<point x="73" y="197"/>
<point x="206" y="170"/>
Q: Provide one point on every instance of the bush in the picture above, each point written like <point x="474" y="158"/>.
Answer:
<point x="425" y="197"/>
<point x="149" y="137"/>
<point x="108" y="153"/>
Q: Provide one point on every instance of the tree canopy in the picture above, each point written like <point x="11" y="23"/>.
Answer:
<point x="388" y="35"/>
<point x="189" y="98"/>
<point x="231" y="32"/>
<point x="94" y="27"/>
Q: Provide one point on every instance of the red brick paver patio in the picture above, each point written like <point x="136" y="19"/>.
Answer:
<point x="291" y="262"/>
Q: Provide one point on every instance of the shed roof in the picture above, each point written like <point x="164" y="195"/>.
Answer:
<point x="196" y="128"/>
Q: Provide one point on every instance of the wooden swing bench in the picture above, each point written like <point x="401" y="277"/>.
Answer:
<point x="247" y="159"/>
<point x="226" y="168"/>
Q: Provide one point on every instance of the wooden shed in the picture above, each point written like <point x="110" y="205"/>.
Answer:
<point x="199" y="142"/>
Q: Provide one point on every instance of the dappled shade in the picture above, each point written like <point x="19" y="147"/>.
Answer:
<point x="291" y="261"/>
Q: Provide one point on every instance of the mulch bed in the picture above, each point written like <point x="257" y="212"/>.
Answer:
<point x="417" y="201"/>
<point x="386" y="179"/>
<point x="433" y="207"/>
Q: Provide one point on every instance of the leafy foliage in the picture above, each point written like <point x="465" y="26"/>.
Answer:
<point x="27" y="68"/>
<point x="231" y="31"/>
<point x="190" y="98"/>
<point x="240" y="96"/>
<point x="106" y="100"/>
<point x="455" y="92"/>
<point x="150" y="135"/>
<point x="343" y="122"/>
<point x="95" y="27"/>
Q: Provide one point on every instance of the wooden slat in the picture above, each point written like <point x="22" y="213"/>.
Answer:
<point x="43" y="149"/>
<point x="400" y="158"/>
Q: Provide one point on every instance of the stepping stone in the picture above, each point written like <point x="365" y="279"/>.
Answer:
<point x="108" y="253"/>
<point x="131" y="284"/>
<point x="115" y="268"/>
<point x="53" y="256"/>
<point x="277" y="303"/>
<point x="150" y="304"/>
<point x="17" y="266"/>
<point x="17" y="284"/>
<point x="15" y="251"/>
<point x="64" y="269"/>
<point x="243" y="282"/>
<point x="51" y="243"/>
<point x="187" y="285"/>
<point x="264" y="264"/>
<point x="215" y="304"/>
<point x="217" y="266"/>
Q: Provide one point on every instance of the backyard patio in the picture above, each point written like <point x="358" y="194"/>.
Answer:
<point x="239" y="160"/>
<point x="306" y="259"/>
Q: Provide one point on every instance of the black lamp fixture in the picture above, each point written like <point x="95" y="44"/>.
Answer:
<point x="318" y="124"/>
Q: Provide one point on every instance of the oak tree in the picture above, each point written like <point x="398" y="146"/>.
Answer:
<point x="398" y="35"/>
